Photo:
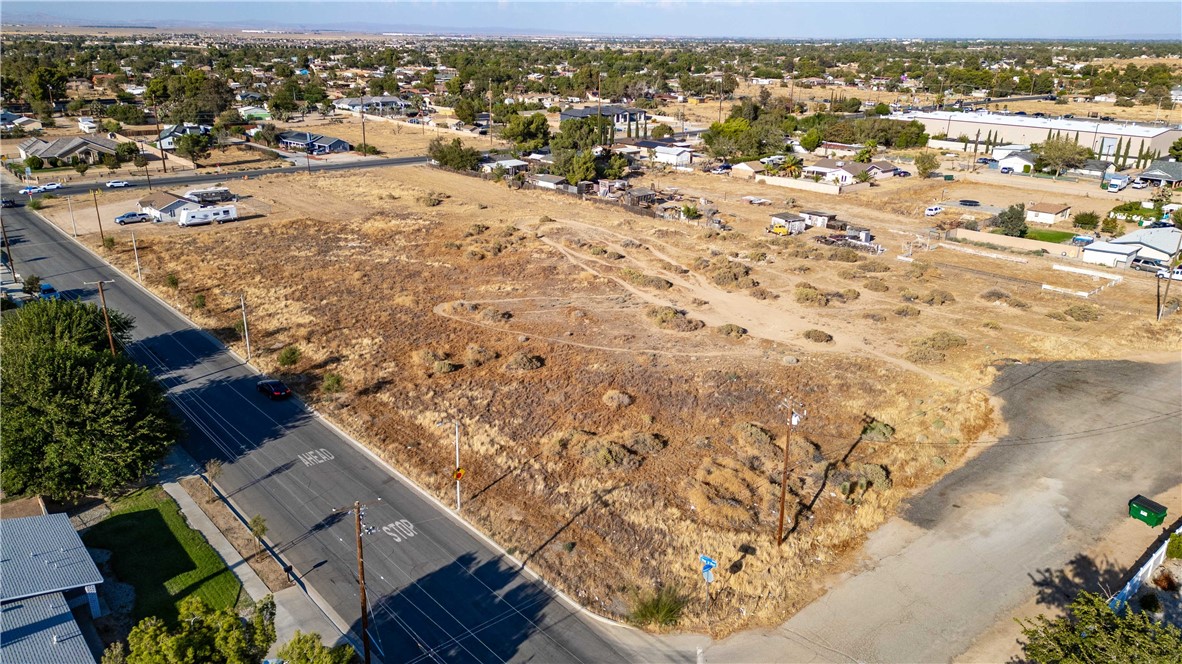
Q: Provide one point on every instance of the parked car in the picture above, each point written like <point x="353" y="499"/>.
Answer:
<point x="1106" y="118"/>
<point x="115" y="184"/>
<point x="1040" y="115"/>
<point x="30" y="190"/>
<point x="1020" y="113"/>
<point x="902" y="174"/>
<point x="1006" y="170"/>
<point x="1146" y="265"/>
<point x="984" y="160"/>
<point x="274" y="389"/>
<point x="1140" y="184"/>
<point x="720" y="170"/>
<point x="8" y="203"/>
<point x="48" y="292"/>
<point x="933" y="211"/>
<point x="968" y="202"/>
<point x="1161" y="224"/>
<point x="1174" y="274"/>
<point x="1068" y="116"/>
<point x="774" y="160"/>
<point x="132" y="218"/>
<point x="50" y="186"/>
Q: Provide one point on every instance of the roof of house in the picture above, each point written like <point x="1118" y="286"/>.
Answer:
<point x="752" y="165"/>
<point x="1031" y="122"/>
<point x="552" y="179"/>
<point x="1049" y="208"/>
<point x="641" y="191"/>
<point x="884" y="166"/>
<point x="42" y="554"/>
<point x="1171" y="169"/>
<point x="510" y="163"/>
<point x="1112" y="248"/>
<point x="308" y="137"/>
<point x="1164" y="240"/>
<point x="164" y="201"/>
<point x="671" y="149"/>
<point x="787" y="216"/>
<point x="41" y="629"/>
<point x="815" y="213"/>
<point x="1028" y="157"/>
<point x="607" y="110"/>
<point x="1094" y="165"/>
<point x="66" y="145"/>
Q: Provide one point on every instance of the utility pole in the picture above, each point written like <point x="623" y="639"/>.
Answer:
<point x="362" y="125"/>
<point x="490" y="112"/>
<point x="7" y="249"/>
<point x="599" y="107"/>
<point x="99" y="217"/>
<point x="149" y="176"/>
<point x="793" y="419"/>
<point x="361" y="529"/>
<point x="719" y="100"/>
<point x="245" y="329"/>
<point x="159" y="145"/>
<point x="106" y="318"/>
<point x="70" y="202"/>
<point x="459" y="472"/>
<point x="138" y="273"/>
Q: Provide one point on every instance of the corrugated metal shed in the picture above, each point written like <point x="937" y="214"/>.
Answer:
<point x="41" y="629"/>
<point x="42" y="554"/>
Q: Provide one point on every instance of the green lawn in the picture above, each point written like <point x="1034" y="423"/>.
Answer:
<point x="1049" y="235"/>
<point x="156" y="551"/>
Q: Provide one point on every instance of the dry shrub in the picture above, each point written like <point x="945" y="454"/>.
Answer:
<point x="545" y="220"/>
<point x="745" y="283"/>
<point x="757" y="257"/>
<point x="646" y="280"/>
<point x="907" y="311"/>
<point x="849" y="295"/>
<point x="613" y="255"/>
<point x="938" y="297"/>
<point x="731" y="330"/>
<point x="877" y="431"/>
<point x="845" y="255"/>
<point x="475" y="229"/>
<point x="572" y="439"/>
<point x="1164" y="580"/>
<point x="995" y="295"/>
<point x="806" y="294"/>
<point x="849" y="274"/>
<point x="475" y="356"/>
<point x="818" y="336"/>
<point x="431" y="199"/>
<point x="940" y="341"/>
<point x="909" y="295"/>
<point x="443" y="367"/>
<point x="1082" y="313"/>
<point x="729" y="274"/>
<point x="611" y="456"/>
<point x="925" y="356"/>
<point x="522" y="361"/>
<point x="598" y="251"/>
<point x="872" y="266"/>
<point x="428" y="357"/>
<point x="493" y="315"/>
<point x="990" y="325"/>
<point x="646" y="443"/>
<point x="761" y="293"/>
<point x="753" y="438"/>
<point x="1018" y="304"/>
<point x="878" y="476"/>
<point x="723" y="492"/>
<point x="617" y="399"/>
<point x="876" y="286"/>
<point x="473" y="254"/>
<point x="668" y="318"/>
<point x="874" y="316"/>
<point x="1057" y="315"/>
<point x="920" y="269"/>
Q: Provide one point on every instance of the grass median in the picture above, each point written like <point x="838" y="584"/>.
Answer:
<point x="155" y="551"/>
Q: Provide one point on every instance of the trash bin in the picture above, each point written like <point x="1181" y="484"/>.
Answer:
<point x="948" y="178"/>
<point x="1144" y="509"/>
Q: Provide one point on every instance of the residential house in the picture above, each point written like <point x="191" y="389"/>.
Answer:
<point x="1159" y="244"/>
<point x="254" y="113"/>
<point x="794" y="223"/>
<point x="162" y="206"/>
<point x="747" y="169"/>
<point x="1048" y="213"/>
<point x="89" y="149"/>
<point x="818" y="219"/>
<point x="46" y="570"/>
<point x="302" y="141"/>
<point x="1109" y="254"/>
<point x="674" y="156"/>
<point x="544" y="181"/>
<point x="833" y="149"/>
<point x="640" y="196"/>
<point x="248" y="96"/>
<point x="169" y="135"/>
<point x="839" y="172"/>
<point x="10" y="121"/>
<point x="87" y="125"/>
<point x="1021" y="161"/>
<point x="1093" y="168"/>
<point x="620" y="115"/>
<point x="510" y="166"/>
<point x="1163" y="172"/>
<point x="884" y="169"/>
<point x="1002" y="151"/>
<point x="378" y="103"/>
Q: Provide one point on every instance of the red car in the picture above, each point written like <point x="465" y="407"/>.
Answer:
<point x="274" y="389"/>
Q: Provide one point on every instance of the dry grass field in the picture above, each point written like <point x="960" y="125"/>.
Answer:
<point x="618" y="377"/>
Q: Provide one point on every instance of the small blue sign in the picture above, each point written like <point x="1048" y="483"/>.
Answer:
<point x="708" y="574"/>
<point x="708" y="562"/>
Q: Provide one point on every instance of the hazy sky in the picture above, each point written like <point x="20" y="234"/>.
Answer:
<point x="1111" y="19"/>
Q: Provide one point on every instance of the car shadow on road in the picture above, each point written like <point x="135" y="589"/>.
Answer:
<point x="465" y="611"/>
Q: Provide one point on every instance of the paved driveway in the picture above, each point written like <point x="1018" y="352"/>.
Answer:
<point x="1084" y="438"/>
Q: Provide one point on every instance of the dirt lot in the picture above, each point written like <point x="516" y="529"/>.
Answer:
<point x="612" y="439"/>
<point x="395" y="139"/>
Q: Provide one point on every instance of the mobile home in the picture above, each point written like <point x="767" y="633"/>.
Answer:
<point x="208" y="215"/>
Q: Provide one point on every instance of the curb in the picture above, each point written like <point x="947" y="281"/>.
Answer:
<point x="521" y="566"/>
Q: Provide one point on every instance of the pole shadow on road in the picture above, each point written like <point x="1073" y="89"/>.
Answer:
<point x="466" y="611"/>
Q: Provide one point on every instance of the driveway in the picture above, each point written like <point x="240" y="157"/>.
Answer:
<point x="1011" y="526"/>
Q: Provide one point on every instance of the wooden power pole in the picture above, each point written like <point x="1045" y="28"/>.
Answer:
<point x="97" y="216"/>
<point x="358" y="510"/>
<point x="106" y="318"/>
<point x="793" y="419"/>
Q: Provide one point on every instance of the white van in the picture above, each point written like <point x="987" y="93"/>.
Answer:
<point x="933" y="211"/>
<point x="208" y="215"/>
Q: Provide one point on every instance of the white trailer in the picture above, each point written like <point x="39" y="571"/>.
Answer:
<point x="208" y="215"/>
<point x="213" y="195"/>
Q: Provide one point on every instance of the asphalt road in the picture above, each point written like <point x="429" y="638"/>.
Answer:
<point x="436" y="591"/>
<point x="177" y="180"/>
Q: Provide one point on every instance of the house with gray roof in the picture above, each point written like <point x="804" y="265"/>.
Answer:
<point x="1164" y="172"/>
<point x="163" y="206"/>
<point x="1159" y="244"/>
<point x="44" y="571"/>
<point x="89" y="149"/>
<point x="302" y="141"/>
<point x="169" y="135"/>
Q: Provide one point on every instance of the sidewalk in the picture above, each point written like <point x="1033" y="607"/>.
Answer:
<point x="294" y="609"/>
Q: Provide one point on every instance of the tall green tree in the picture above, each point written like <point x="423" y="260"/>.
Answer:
<point x="1061" y="154"/>
<point x="76" y="419"/>
<point x="308" y="649"/>
<point x="1092" y="632"/>
<point x="1176" y="150"/>
<point x="203" y="635"/>
<point x="528" y="132"/>
<point x="194" y="147"/>
<point x="1012" y="221"/>
<point x="926" y="163"/>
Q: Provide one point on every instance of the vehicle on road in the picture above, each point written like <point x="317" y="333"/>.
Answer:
<point x="30" y="190"/>
<point x="274" y="389"/>
<point x="1106" y="118"/>
<point x="132" y="218"/>
<point x="48" y="292"/>
<point x="986" y="160"/>
<point x="1006" y="170"/>
<point x="8" y="203"/>
<point x="116" y="184"/>
<point x="933" y="211"/>
<point x="1146" y="265"/>
<point x="1020" y="113"/>
<point x="1174" y="274"/>
<point x="1068" y="116"/>
<point x="902" y="174"/>
<point x="968" y="202"/>
<point x="50" y="186"/>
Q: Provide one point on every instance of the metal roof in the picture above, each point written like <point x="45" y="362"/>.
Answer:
<point x="1031" y="122"/>
<point x="42" y="554"/>
<point x="41" y="629"/>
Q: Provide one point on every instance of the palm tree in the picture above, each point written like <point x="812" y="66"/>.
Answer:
<point x="863" y="176"/>
<point x="792" y="166"/>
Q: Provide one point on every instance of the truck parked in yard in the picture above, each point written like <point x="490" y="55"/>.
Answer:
<point x="1117" y="183"/>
